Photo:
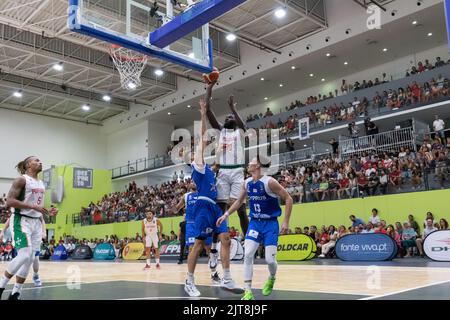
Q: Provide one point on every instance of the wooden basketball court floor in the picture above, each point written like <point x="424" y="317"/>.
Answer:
<point x="401" y="279"/>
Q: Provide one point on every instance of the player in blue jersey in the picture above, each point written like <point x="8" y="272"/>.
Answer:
<point x="188" y="202"/>
<point x="206" y="213"/>
<point x="263" y="193"/>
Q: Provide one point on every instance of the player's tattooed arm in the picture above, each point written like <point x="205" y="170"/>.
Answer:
<point x="233" y="104"/>
<point x="283" y="194"/>
<point x="215" y="124"/>
<point x="14" y="193"/>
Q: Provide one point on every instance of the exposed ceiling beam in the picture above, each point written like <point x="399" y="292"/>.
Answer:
<point x="36" y="11"/>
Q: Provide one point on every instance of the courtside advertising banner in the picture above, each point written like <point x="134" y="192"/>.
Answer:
<point x="296" y="247"/>
<point x="60" y="253"/>
<point x="133" y="251"/>
<point x="366" y="247"/>
<point x="104" y="251"/>
<point x="437" y="245"/>
<point x="82" y="252"/>
<point x="170" y="249"/>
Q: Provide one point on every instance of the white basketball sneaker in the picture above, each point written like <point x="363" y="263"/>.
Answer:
<point x="230" y="285"/>
<point x="37" y="282"/>
<point x="191" y="289"/>
<point x="213" y="259"/>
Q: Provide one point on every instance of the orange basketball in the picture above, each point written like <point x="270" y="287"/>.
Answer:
<point x="212" y="77"/>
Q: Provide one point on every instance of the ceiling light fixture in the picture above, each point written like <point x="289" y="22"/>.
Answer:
<point x="311" y="75"/>
<point x="159" y="72"/>
<point x="107" y="98"/>
<point x="18" y="94"/>
<point x="430" y="34"/>
<point x="328" y="54"/>
<point x="86" y="107"/>
<point x="231" y="37"/>
<point x="280" y="13"/>
<point x="58" y="66"/>
<point x="414" y="22"/>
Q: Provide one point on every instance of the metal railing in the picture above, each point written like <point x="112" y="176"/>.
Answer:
<point x="391" y="141"/>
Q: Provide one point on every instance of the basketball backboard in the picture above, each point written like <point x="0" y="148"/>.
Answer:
<point x="129" y="23"/>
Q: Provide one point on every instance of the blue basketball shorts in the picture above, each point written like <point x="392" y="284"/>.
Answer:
<point x="190" y="236"/>
<point x="263" y="231"/>
<point x="206" y="216"/>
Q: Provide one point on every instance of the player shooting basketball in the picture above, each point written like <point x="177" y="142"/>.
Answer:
<point x="231" y="159"/>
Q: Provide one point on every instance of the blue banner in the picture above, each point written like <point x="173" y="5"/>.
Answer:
<point x="366" y="247"/>
<point x="104" y="251"/>
<point x="60" y="253"/>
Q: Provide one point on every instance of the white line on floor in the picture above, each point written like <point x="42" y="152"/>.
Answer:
<point x="167" y="298"/>
<point x="56" y="286"/>
<point x="405" y="290"/>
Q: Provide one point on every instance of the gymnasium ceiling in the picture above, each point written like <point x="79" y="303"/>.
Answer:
<point x="401" y="38"/>
<point x="34" y="37"/>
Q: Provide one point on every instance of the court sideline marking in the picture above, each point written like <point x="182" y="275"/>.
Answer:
<point x="405" y="290"/>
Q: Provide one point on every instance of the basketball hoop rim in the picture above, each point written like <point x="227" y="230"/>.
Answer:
<point x="123" y="57"/>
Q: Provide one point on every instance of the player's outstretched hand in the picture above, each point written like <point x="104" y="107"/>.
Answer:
<point x="231" y="102"/>
<point x="284" y="227"/>
<point x="220" y="220"/>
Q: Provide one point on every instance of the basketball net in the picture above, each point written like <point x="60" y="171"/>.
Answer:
<point x="130" y="65"/>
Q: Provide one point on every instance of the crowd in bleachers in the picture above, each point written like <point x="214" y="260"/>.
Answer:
<point x="372" y="174"/>
<point x="133" y="203"/>
<point x="393" y="99"/>
<point x="408" y="235"/>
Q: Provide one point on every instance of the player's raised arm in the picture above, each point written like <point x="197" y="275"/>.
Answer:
<point x="232" y="104"/>
<point x="14" y="193"/>
<point x="211" y="116"/>
<point x="283" y="194"/>
<point x="236" y="205"/>
<point x="198" y="157"/>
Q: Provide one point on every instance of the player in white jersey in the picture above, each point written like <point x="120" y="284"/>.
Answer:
<point x="230" y="159"/>
<point x="36" y="279"/>
<point x="26" y="196"/>
<point x="151" y="236"/>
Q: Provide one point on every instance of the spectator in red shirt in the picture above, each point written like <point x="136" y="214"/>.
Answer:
<point x="362" y="183"/>
<point x="7" y="251"/>
<point x="232" y="232"/>
<point x="394" y="177"/>
<point x="417" y="92"/>
<point x="381" y="227"/>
